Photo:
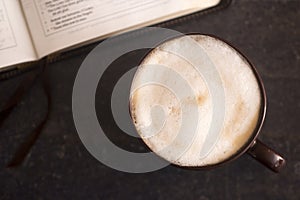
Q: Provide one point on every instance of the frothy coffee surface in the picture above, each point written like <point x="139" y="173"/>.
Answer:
<point x="172" y="101"/>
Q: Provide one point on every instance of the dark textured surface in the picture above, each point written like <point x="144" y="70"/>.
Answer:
<point x="59" y="167"/>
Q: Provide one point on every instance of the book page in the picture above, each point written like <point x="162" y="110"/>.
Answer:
<point x="15" y="43"/>
<point x="57" y="24"/>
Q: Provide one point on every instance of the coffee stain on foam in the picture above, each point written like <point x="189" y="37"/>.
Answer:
<point x="197" y="100"/>
<point x="175" y="110"/>
<point x="202" y="98"/>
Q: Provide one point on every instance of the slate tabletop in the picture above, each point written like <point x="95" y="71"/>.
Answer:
<point x="58" y="166"/>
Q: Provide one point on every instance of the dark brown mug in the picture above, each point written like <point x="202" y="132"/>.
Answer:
<point x="253" y="146"/>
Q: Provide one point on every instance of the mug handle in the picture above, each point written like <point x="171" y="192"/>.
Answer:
<point x="266" y="156"/>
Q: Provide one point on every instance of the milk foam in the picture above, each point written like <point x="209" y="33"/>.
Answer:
<point x="159" y="131"/>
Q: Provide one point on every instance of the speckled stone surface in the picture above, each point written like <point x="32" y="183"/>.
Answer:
<point x="59" y="166"/>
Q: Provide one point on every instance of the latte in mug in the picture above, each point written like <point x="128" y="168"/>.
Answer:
<point x="195" y="101"/>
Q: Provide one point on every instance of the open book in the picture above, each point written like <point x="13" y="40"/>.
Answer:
<point x="32" y="29"/>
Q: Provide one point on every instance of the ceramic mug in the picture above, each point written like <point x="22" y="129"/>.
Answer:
<point x="157" y="128"/>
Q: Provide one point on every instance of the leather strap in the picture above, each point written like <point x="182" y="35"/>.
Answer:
<point x="13" y="101"/>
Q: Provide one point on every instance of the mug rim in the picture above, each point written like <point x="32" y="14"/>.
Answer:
<point x="262" y="113"/>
